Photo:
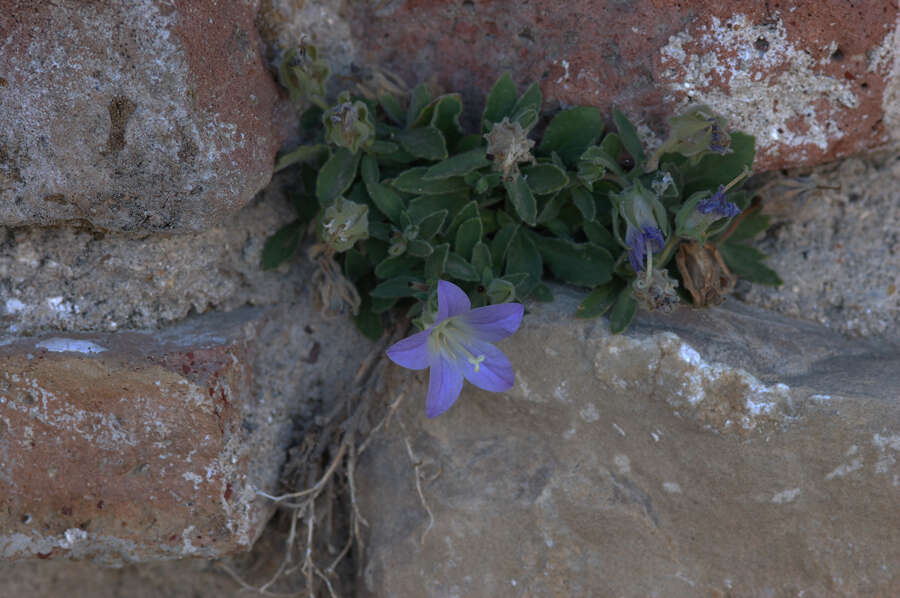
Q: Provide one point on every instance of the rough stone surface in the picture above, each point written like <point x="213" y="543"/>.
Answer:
<point x="718" y="452"/>
<point x="837" y="247"/>
<point x="70" y="278"/>
<point x="812" y="80"/>
<point x="136" y="446"/>
<point x="137" y="116"/>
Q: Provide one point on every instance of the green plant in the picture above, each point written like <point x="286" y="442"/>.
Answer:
<point x="402" y="197"/>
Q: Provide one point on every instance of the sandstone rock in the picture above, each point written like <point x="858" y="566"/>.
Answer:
<point x="129" y="446"/>
<point x="718" y="452"/>
<point x="143" y="116"/>
<point x="811" y="80"/>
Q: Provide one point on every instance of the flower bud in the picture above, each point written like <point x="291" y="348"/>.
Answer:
<point x="348" y="124"/>
<point x="343" y="223"/>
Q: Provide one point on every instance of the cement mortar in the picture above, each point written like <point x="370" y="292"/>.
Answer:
<point x="837" y="250"/>
<point x="66" y="278"/>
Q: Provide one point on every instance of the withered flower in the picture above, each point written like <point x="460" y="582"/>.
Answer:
<point x="704" y="273"/>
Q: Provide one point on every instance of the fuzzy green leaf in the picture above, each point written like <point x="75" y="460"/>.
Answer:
<point x="585" y="203"/>
<point x="391" y="107"/>
<point x="500" y="102"/>
<point x="400" y="286"/>
<point x="446" y="117"/>
<point x="746" y="262"/>
<point x="481" y="257"/>
<point x="423" y="142"/>
<point x="382" y="304"/>
<point x="418" y="100"/>
<point x="459" y="268"/>
<point x="470" y="210"/>
<point x="571" y="132"/>
<point x="436" y="263"/>
<point x="369" y="323"/>
<point x="336" y="176"/>
<point x="419" y="248"/>
<point x="467" y="235"/>
<point x="528" y="106"/>
<point x="368" y="170"/>
<point x="550" y="210"/>
<point x="500" y="244"/>
<point x="282" y="245"/>
<point x="356" y="265"/>
<point x="458" y="165"/>
<point x="582" y="264"/>
<point x="545" y="178"/>
<point x="623" y="311"/>
<point x="598" y="301"/>
<point x="425" y="205"/>
<point x="629" y="137"/>
<point x="431" y="224"/>
<point x="522" y="199"/>
<point x="385" y="148"/>
<point x="387" y="201"/>
<point x="523" y="256"/>
<point x="600" y="235"/>
<point x="304" y="153"/>
<point x="395" y="266"/>
<point x="413" y="181"/>
<point x="751" y="225"/>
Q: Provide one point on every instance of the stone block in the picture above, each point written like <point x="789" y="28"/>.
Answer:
<point x="811" y="80"/>
<point x="717" y="452"/>
<point x="136" y="116"/>
<point x="139" y="446"/>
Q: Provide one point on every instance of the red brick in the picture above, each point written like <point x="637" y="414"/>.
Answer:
<point x="610" y="53"/>
<point x="136" y="446"/>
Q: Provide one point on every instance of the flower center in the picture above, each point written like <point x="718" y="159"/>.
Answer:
<point x="446" y="338"/>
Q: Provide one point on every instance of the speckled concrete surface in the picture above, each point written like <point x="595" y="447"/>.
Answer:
<point x="837" y="249"/>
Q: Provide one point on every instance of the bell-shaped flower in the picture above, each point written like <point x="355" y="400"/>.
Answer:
<point x="458" y="346"/>
<point x="644" y="218"/>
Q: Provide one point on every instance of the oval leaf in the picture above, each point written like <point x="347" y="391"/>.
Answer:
<point x="500" y="102"/>
<point x="571" y="132"/>
<point x="413" y="181"/>
<point x="467" y="235"/>
<point x="598" y="301"/>
<point x="623" y="311"/>
<point x="336" y="176"/>
<point x="282" y="245"/>
<point x="458" y="165"/>
<point x="545" y="178"/>
<point x="424" y="142"/>
<point x="583" y="264"/>
<point x="522" y="199"/>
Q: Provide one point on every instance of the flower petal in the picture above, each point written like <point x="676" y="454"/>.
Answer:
<point x="411" y="352"/>
<point x="493" y="322"/>
<point x="494" y="372"/>
<point x="452" y="301"/>
<point x="445" y="383"/>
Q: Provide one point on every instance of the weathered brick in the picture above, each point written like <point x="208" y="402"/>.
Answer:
<point x="810" y="79"/>
<point x="140" y="446"/>
<point x="135" y="116"/>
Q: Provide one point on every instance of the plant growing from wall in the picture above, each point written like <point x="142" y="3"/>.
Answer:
<point x="400" y="196"/>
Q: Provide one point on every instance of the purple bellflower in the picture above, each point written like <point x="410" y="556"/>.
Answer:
<point x="718" y="205"/>
<point x="642" y="234"/>
<point x="458" y="346"/>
